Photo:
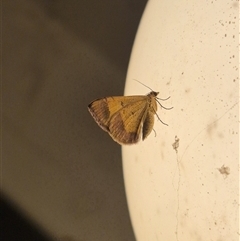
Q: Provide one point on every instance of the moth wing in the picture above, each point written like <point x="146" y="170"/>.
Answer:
<point x="147" y="125"/>
<point x="126" y="125"/>
<point x="103" y="109"/>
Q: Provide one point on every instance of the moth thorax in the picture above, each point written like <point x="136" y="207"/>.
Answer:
<point x="152" y="101"/>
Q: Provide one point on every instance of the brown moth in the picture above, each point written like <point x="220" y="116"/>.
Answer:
<point x="126" y="118"/>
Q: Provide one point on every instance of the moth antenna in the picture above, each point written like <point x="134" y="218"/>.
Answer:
<point x="143" y="84"/>
<point x="157" y="102"/>
<point x="156" y="97"/>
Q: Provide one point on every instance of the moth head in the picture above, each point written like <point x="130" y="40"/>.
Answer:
<point x="153" y="94"/>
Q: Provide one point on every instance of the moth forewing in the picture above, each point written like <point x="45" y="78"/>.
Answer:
<point x="100" y="112"/>
<point x="125" y="118"/>
<point x="126" y="125"/>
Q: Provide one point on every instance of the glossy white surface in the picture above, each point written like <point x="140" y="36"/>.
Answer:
<point x="189" y="51"/>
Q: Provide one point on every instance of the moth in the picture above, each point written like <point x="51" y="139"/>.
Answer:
<point x="127" y="119"/>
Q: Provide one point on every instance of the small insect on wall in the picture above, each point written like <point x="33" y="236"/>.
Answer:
<point x="126" y="118"/>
